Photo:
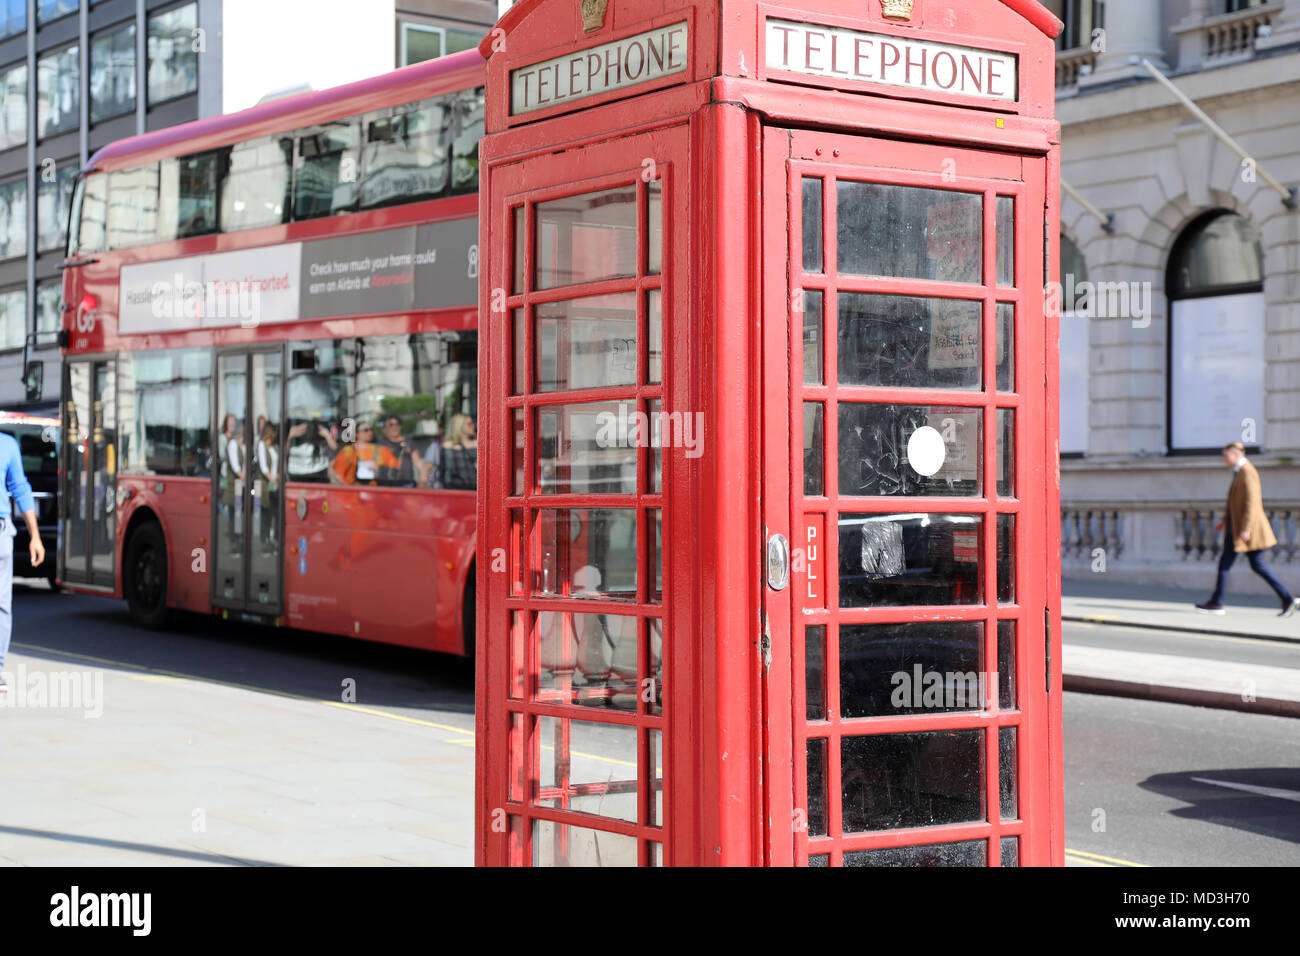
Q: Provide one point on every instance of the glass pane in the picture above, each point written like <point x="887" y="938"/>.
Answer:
<point x="1006" y="559"/>
<point x="1006" y="239"/>
<point x="814" y="444"/>
<point x="1006" y="434"/>
<point x="558" y="844"/>
<point x="589" y="448"/>
<point x="656" y="453"/>
<point x="888" y="450"/>
<point x="1006" y="329"/>
<point x="1222" y="249"/>
<point x="133" y="206"/>
<point x="586" y="238"/>
<point x="654" y="197"/>
<point x="187" y="202"/>
<point x="653" y="693"/>
<point x="895" y="669"/>
<point x="964" y="853"/>
<point x="13" y="231"/>
<point x="520" y="635"/>
<point x="256" y="188"/>
<point x="520" y="229"/>
<point x="13" y="106"/>
<point x="897" y="781"/>
<point x="171" y="54"/>
<point x="655" y="754"/>
<point x="58" y="89"/>
<point x="588" y="767"/>
<point x="264" y="478"/>
<point x="812" y="225"/>
<point x="406" y="153"/>
<point x="1007" y="773"/>
<point x="910" y="232"/>
<point x="654" y="336"/>
<point x="1010" y="851"/>
<point x="1007" y="665"/>
<point x="586" y="343"/>
<point x="588" y="660"/>
<point x="904" y="341"/>
<point x="819" y="860"/>
<point x="518" y="768"/>
<point x="232" y="448"/>
<point x="655" y="529"/>
<point x="520" y="361"/>
<point x="813" y="347"/>
<point x="817" y="787"/>
<point x="53" y="203"/>
<point x="325" y="178"/>
<point x="319" y="393"/>
<point x="520" y="469"/>
<point x="909" y="559"/>
<point x="814" y="651"/>
<point x="587" y="553"/>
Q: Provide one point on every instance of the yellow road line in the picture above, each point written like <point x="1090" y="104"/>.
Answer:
<point x="1112" y="861"/>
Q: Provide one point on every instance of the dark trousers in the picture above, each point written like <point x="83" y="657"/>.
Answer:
<point x="1257" y="565"/>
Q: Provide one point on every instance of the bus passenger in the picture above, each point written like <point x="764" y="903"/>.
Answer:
<point x="268" y="465"/>
<point x="460" y="454"/>
<point x="411" y="469"/>
<point x="359" y="464"/>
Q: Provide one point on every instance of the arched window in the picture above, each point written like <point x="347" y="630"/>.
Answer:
<point x="1074" y="349"/>
<point x="1215" y="287"/>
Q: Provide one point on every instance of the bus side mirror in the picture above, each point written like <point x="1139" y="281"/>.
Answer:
<point x="34" y="379"/>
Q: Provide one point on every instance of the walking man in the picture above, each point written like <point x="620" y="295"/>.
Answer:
<point x="1246" y="531"/>
<point x="15" y="488"/>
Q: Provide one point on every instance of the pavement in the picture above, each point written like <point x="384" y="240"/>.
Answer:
<point x="1203" y="679"/>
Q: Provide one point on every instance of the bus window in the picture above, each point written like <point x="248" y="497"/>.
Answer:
<point x="89" y="207"/>
<point x="325" y="171"/>
<point x="318" y="420"/>
<point x="469" y="130"/>
<point x="406" y="153"/>
<point x="133" y="206"/>
<point x="163" y="409"/>
<point x="188" y="200"/>
<point x="256" y="188"/>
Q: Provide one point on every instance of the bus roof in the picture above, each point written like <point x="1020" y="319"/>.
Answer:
<point x="429" y="78"/>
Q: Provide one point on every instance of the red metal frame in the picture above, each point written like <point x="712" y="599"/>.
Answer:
<point x="367" y="532"/>
<point x="731" y="784"/>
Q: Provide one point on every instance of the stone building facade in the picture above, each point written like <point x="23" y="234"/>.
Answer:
<point x="1206" y="349"/>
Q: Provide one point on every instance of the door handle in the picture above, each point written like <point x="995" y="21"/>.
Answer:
<point x="778" y="562"/>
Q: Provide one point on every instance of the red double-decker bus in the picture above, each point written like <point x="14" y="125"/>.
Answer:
<point x="270" y="363"/>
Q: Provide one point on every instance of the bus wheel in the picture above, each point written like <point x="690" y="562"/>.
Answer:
<point x="144" y="576"/>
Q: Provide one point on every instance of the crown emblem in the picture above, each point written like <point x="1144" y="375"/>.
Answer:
<point x="593" y="14"/>
<point x="897" y="9"/>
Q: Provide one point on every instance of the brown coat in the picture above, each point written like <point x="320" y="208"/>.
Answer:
<point x="1245" y="512"/>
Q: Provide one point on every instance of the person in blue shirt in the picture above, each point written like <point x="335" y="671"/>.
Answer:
<point x="17" y="489"/>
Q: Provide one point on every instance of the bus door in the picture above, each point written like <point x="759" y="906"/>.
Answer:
<point x="247" y="503"/>
<point x="89" y="494"/>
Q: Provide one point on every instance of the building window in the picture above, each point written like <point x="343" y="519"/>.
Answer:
<point x="53" y="200"/>
<point x="13" y="17"/>
<point x="13" y="318"/>
<point x="13" y="106"/>
<point x="13" y="218"/>
<point x="173" y="60"/>
<point x="1074" y="349"/>
<point x="48" y="294"/>
<point x="47" y="10"/>
<point x="1081" y="18"/>
<point x="112" y="74"/>
<point x="1236" y="5"/>
<point x="58" y="84"/>
<point x="1215" y="286"/>
<point x="420" y="42"/>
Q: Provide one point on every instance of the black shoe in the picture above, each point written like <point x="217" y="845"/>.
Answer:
<point x="1209" y="607"/>
<point x="1290" y="607"/>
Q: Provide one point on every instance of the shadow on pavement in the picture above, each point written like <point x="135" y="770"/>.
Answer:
<point x="1260" y="800"/>
<point x="278" y="660"/>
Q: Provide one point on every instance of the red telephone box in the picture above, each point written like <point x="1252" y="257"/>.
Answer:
<point x="768" y="498"/>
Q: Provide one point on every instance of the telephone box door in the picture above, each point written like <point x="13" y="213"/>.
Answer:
<point x="579" y="502"/>
<point x="905" y="439"/>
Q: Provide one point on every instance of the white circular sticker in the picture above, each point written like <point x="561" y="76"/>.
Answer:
<point x="925" y="451"/>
